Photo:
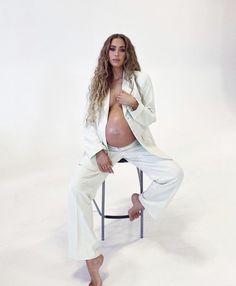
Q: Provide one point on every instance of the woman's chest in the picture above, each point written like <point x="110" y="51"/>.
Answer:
<point x="115" y="89"/>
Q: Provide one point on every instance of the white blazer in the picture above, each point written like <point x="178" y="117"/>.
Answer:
<point x="138" y="119"/>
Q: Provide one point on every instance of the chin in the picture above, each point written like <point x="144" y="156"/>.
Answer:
<point x="117" y="65"/>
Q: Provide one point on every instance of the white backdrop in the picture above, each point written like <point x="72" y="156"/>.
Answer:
<point x="48" y="53"/>
<point x="49" y="50"/>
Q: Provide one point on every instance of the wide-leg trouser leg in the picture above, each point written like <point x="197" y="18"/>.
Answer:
<point x="166" y="176"/>
<point x="82" y="241"/>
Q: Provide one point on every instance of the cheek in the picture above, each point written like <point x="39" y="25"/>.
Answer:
<point x="123" y="57"/>
<point x="110" y="56"/>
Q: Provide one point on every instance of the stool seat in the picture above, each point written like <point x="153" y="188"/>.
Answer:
<point x="123" y="161"/>
<point x="105" y="216"/>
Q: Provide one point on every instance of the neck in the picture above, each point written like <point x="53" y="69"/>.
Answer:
<point x="117" y="73"/>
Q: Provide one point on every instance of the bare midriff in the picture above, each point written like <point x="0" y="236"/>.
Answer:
<point x="118" y="132"/>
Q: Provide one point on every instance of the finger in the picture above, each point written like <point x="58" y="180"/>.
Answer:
<point x="104" y="168"/>
<point x="120" y="101"/>
<point x="110" y="170"/>
<point x="101" y="169"/>
<point x="110" y="161"/>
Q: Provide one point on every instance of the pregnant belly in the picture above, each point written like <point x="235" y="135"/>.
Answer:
<point x="118" y="132"/>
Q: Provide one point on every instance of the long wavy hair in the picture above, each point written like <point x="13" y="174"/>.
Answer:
<point x="103" y="75"/>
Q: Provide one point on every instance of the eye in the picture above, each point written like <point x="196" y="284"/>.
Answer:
<point x="112" y="49"/>
<point x="122" y="50"/>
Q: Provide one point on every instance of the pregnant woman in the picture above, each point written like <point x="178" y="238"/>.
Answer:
<point x="120" y="110"/>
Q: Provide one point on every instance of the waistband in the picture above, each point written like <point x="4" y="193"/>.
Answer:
<point x="113" y="148"/>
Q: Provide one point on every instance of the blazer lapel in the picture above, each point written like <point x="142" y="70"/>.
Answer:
<point x="127" y="88"/>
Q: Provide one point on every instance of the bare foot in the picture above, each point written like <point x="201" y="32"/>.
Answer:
<point x="137" y="206"/>
<point x="93" y="266"/>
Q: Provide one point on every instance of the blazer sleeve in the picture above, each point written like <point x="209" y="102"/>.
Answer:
<point x="145" y="113"/>
<point x="91" y="141"/>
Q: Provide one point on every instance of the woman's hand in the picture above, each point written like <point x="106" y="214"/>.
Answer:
<point x="125" y="98"/>
<point x="104" y="162"/>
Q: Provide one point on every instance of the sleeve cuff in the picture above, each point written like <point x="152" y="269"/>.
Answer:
<point x="94" y="151"/>
<point x="135" y="113"/>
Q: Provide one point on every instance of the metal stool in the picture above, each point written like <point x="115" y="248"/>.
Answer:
<point x="102" y="211"/>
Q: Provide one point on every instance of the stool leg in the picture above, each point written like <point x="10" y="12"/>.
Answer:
<point x="140" y="173"/>
<point x="103" y="211"/>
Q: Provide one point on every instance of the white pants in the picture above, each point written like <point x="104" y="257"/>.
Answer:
<point x="166" y="176"/>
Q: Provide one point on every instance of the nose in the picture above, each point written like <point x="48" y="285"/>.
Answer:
<point x="117" y="52"/>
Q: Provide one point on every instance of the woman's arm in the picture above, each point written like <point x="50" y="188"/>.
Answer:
<point x="94" y="147"/>
<point x="91" y="141"/>
<point x="142" y="110"/>
<point x="145" y="113"/>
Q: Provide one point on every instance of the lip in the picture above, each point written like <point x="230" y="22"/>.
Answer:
<point x="116" y="60"/>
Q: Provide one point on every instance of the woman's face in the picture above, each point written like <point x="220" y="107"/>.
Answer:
<point x="117" y="52"/>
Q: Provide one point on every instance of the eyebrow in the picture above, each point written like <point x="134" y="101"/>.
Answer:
<point x="119" y="46"/>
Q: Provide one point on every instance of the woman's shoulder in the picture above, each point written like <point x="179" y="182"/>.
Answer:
<point x="142" y="77"/>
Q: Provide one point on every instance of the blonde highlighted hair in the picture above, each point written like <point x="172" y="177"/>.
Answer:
<point x="103" y="75"/>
